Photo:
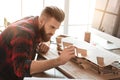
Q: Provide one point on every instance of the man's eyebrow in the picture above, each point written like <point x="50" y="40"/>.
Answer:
<point x="53" y="27"/>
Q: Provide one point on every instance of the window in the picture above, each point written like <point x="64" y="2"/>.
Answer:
<point x="31" y="7"/>
<point x="106" y="18"/>
<point x="10" y="9"/>
<point x="80" y="16"/>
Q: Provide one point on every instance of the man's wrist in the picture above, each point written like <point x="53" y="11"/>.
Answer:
<point x="59" y="61"/>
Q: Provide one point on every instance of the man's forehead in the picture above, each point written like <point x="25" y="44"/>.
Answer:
<point x="54" y="22"/>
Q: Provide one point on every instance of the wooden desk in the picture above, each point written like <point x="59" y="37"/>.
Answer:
<point x="73" y="70"/>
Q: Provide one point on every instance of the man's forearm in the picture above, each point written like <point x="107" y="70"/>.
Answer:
<point x="42" y="65"/>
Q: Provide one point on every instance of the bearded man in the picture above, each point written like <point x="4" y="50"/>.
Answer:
<point x="19" y="41"/>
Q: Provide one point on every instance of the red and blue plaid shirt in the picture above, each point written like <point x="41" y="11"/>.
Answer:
<point x="17" y="48"/>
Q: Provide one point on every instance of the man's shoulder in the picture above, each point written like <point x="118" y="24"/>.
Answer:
<point x="28" y="17"/>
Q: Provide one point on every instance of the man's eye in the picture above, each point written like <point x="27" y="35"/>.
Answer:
<point x="53" y="27"/>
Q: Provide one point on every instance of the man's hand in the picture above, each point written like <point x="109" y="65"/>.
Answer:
<point x="67" y="54"/>
<point x="43" y="47"/>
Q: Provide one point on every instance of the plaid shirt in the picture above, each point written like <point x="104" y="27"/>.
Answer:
<point x="17" y="48"/>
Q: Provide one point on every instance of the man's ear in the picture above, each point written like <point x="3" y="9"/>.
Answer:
<point x="42" y="20"/>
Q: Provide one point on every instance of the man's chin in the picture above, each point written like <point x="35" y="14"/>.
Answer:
<point x="46" y="40"/>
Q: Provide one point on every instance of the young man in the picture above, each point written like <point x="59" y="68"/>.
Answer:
<point x="19" y="41"/>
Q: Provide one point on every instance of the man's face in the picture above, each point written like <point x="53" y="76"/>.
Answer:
<point x="48" y="29"/>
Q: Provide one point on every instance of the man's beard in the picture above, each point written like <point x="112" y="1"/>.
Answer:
<point x="45" y="36"/>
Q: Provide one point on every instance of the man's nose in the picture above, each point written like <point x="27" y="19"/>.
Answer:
<point x="53" y="31"/>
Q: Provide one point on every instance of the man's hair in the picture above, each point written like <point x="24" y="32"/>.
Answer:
<point x="52" y="11"/>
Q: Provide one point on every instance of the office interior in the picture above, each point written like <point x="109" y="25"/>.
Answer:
<point x="100" y="18"/>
